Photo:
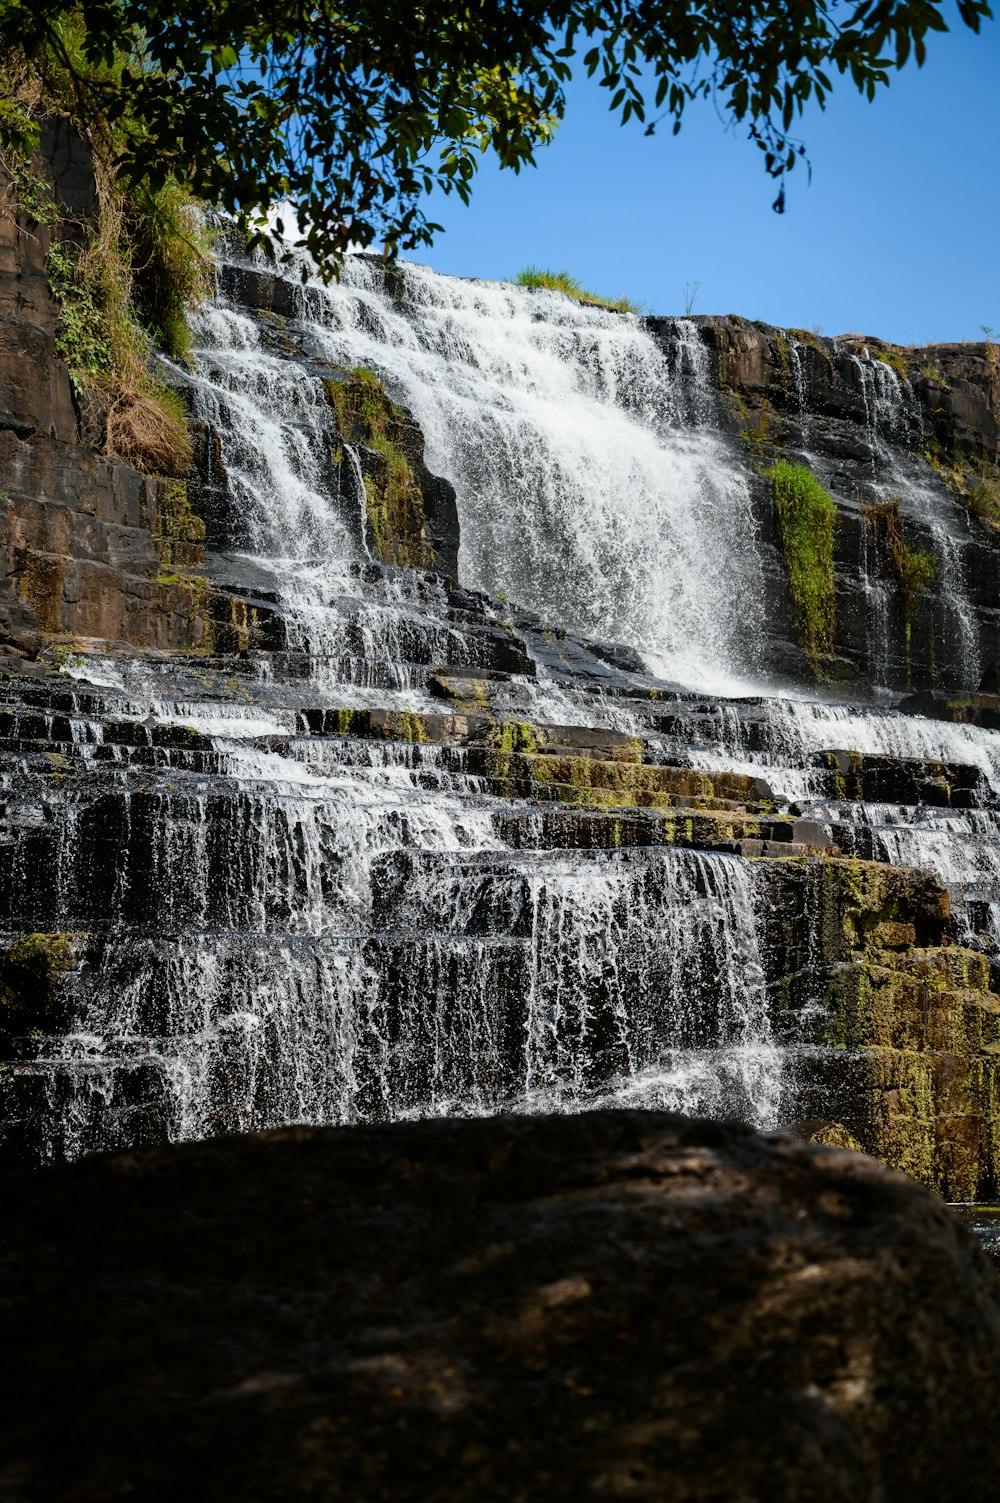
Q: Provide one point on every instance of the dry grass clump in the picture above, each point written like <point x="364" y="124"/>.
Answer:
<point x="148" y="429"/>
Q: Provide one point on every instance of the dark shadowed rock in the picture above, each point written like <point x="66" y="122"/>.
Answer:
<point x="626" y="1305"/>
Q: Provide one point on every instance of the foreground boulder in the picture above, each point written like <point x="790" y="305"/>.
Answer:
<point x="619" y="1305"/>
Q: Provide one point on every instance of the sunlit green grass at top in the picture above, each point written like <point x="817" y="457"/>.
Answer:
<point x="564" y="281"/>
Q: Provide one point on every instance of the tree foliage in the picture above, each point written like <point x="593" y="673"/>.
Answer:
<point x="356" y="110"/>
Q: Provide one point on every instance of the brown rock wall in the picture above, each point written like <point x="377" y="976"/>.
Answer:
<point x="77" y="555"/>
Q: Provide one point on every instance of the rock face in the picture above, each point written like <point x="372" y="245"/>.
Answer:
<point x="410" y="515"/>
<point x="78" y="532"/>
<point x="875" y="422"/>
<point x="906" y="1043"/>
<point x="619" y="1305"/>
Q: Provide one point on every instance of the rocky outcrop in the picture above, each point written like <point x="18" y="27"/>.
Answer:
<point x="84" y="546"/>
<point x="874" y="421"/>
<point x="782" y="377"/>
<point x="621" y="1305"/>
<point x="374" y="445"/>
<point x="906" y="1045"/>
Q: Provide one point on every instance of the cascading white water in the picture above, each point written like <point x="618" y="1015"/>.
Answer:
<point x="300" y="927"/>
<point x="895" y="425"/>
<point x="591" y="487"/>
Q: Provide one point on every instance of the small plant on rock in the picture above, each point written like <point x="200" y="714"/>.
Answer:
<point x="915" y="568"/>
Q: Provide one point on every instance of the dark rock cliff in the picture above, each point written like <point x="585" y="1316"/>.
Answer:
<point x="78" y="555"/>
<point x="875" y="421"/>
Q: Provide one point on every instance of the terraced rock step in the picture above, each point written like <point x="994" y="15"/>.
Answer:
<point x="582" y="941"/>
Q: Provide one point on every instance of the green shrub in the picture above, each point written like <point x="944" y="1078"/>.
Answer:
<point x="807" y="520"/>
<point x="171" y="257"/>
<point x="562" y="281"/>
<point x="83" y="334"/>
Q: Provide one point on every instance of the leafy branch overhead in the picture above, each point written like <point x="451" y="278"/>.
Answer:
<point x="356" y="112"/>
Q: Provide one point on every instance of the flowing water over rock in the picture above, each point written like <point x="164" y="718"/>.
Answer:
<point x="485" y="799"/>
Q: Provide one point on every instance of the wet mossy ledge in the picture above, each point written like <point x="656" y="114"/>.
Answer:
<point x="368" y="418"/>
<point x="807" y="522"/>
<point x="908" y="1026"/>
<point x="32" y="1002"/>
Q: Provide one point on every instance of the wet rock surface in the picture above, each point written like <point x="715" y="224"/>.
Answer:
<point x="621" y="1305"/>
<point x="382" y="844"/>
<point x="877" y="423"/>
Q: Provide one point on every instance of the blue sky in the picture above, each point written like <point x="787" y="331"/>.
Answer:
<point x="898" y="234"/>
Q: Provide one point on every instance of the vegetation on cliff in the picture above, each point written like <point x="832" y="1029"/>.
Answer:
<point x="126" y="275"/>
<point x="564" y="281"/>
<point x="807" y="519"/>
<point x="915" y="568"/>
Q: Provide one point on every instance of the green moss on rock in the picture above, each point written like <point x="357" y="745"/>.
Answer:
<point x="178" y="533"/>
<point x="394" y="503"/>
<point x="40" y="583"/>
<point x="807" y="520"/>
<point x="30" y="972"/>
<point x="836" y="1135"/>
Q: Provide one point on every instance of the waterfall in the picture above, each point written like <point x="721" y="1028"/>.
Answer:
<point x="895" y="425"/>
<point x="334" y="943"/>
<point x="592" y="486"/>
<point x="279" y="917"/>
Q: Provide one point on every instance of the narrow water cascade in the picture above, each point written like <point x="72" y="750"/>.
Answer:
<point x="499" y="781"/>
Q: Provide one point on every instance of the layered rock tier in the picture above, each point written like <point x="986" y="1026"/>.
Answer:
<point x="318" y="833"/>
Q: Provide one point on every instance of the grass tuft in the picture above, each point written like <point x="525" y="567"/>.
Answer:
<point x="563" y="281"/>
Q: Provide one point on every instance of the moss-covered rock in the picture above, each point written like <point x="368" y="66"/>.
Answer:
<point x="862" y="954"/>
<point x="806" y="523"/>
<point x="30" y="996"/>
<point x="836" y="1135"/>
<point x="882" y="1004"/>
<point x="178" y="533"/>
<point x="384" y="435"/>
